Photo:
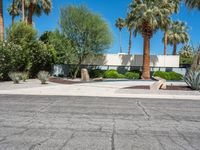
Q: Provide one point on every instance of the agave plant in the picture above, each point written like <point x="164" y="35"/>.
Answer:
<point x="43" y="76"/>
<point x="24" y="76"/>
<point x="192" y="79"/>
<point x="15" y="77"/>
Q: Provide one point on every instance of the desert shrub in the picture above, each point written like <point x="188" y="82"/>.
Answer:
<point x="24" y="76"/>
<point x="12" y="59"/>
<point x="192" y="78"/>
<point x="132" y="75"/>
<point x="15" y="77"/>
<point x="168" y="75"/>
<point x="113" y="74"/>
<point x="43" y="76"/>
<point x="97" y="73"/>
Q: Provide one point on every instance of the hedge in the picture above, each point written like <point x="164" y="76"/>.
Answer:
<point x="168" y="75"/>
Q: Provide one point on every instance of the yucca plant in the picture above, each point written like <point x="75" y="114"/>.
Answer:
<point x="192" y="79"/>
<point x="24" y="76"/>
<point x="15" y="77"/>
<point x="43" y="76"/>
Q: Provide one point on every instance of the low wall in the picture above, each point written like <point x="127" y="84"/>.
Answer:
<point x="133" y="60"/>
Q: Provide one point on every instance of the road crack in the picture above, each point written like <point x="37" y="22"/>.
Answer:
<point x="144" y="110"/>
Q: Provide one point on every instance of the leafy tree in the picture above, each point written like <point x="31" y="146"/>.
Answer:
<point x="149" y="15"/>
<point x="63" y="47"/>
<point x="178" y="33"/>
<point x="120" y="24"/>
<point x="89" y="33"/>
<point x="193" y="3"/>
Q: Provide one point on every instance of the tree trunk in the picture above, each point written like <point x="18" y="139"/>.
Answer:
<point x="130" y="42"/>
<point x="23" y="10"/>
<point x="30" y="14"/>
<point x="120" y="40"/>
<point x="146" y="58"/>
<point x="1" y="21"/>
<point x="13" y="20"/>
<point x="174" y="50"/>
<point x="165" y="42"/>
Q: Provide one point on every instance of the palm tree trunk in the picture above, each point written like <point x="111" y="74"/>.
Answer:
<point x="30" y="14"/>
<point x="1" y="21"/>
<point x="174" y="50"/>
<point x="130" y="42"/>
<point x="165" y="42"/>
<point x="23" y="10"/>
<point x="120" y="40"/>
<point x="146" y="58"/>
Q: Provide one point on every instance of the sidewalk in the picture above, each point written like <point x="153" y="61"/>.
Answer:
<point x="96" y="89"/>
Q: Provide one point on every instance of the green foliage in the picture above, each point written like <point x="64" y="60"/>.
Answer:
<point x="97" y="73"/>
<point x="24" y="76"/>
<point x="42" y="57"/>
<point x="21" y="33"/>
<point x="63" y="47"/>
<point x="12" y="59"/>
<point x="31" y="56"/>
<point x="168" y="75"/>
<point x="88" y="32"/>
<point x="133" y="75"/>
<point x="15" y="77"/>
<point x="192" y="78"/>
<point x="43" y="76"/>
<point x="113" y="74"/>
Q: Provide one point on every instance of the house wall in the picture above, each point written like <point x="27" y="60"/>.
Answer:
<point x="132" y="60"/>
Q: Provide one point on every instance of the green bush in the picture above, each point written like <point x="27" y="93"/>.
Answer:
<point x="113" y="74"/>
<point x="168" y="75"/>
<point x="132" y="75"/>
<point x="97" y="73"/>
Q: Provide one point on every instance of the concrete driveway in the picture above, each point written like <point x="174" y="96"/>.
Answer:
<point x="89" y="123"/>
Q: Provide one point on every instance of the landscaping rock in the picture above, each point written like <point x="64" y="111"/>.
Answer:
<point x="98" y="79"/>
<point x="85" y="75"/>
<point x="159" y="84"/>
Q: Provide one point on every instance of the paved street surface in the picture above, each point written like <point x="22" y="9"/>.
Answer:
<point x="89" y="123"/>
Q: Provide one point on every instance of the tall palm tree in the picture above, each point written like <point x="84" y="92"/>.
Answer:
<point x="131" y="26"/>
<point x="1" y="21"/>
<point x="149" y="15"/>
<point x="13" y="10"/>
<point x="177" y="34"/>
<point x="193" y="3"/>
<point x="175" y="6"/>
<point x="120" y="24"/>
<point x="37" y="7"/>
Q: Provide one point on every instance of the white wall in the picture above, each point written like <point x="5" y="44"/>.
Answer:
<point x="133" y="60"/>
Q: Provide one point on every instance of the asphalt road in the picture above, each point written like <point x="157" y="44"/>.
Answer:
<point x="89" y="123"/>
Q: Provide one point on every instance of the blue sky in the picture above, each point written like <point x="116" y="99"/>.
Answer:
<point x="110" y="10"/>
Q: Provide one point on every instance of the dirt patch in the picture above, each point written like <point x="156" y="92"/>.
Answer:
<point x="169" y="87"/>
<point x="62" y="81"/>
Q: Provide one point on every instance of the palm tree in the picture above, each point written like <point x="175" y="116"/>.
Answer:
<point x="13" y="11"/>
<point x="120" y="24"/>
<point x="130" y="25"/>
<point x="37" y="7"/>
<point x="178" y="34"/>
<point x="175" y="6"/>
<point x="193" y="3"/>
<point x="1" y="21"/>
<point x="149" y="15"/>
